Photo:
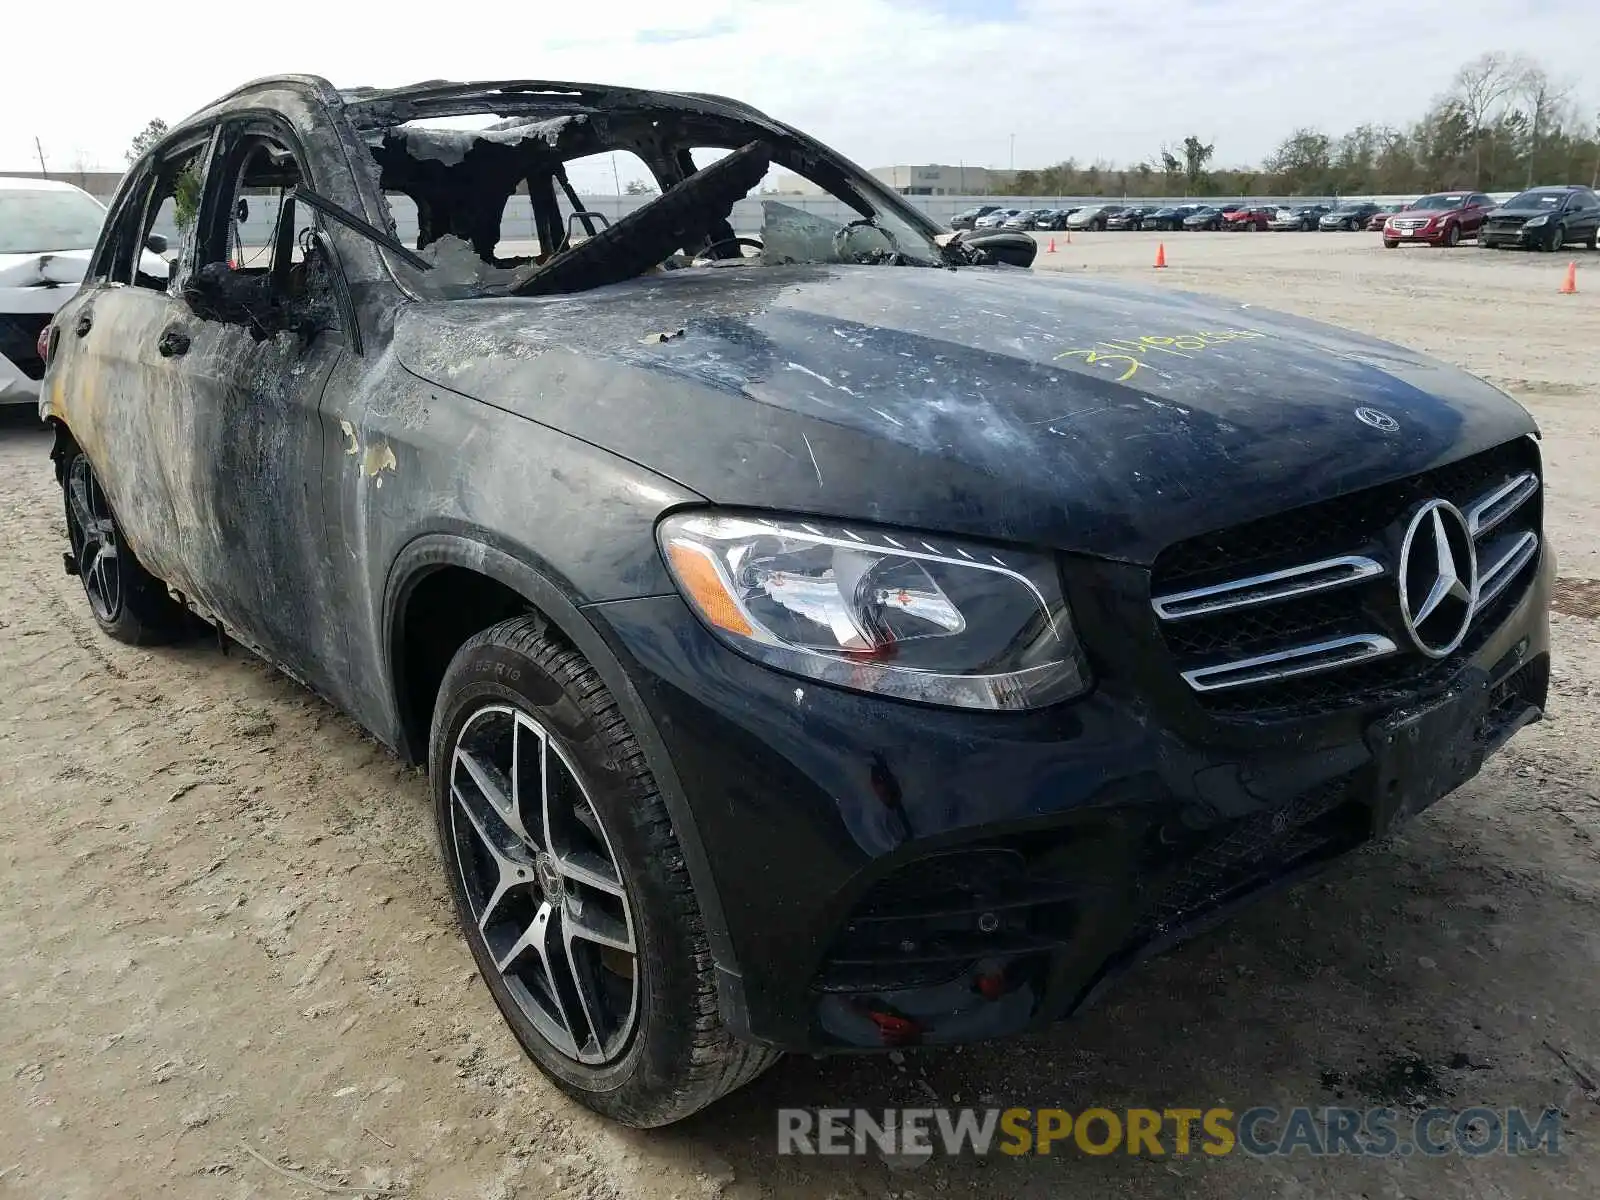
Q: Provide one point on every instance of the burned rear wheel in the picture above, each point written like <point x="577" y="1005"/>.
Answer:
<point x="570" y="885"/>
<point x="128" y="603"/>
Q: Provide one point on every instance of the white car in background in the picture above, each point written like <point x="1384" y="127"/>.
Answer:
<point x="48" y="230"/>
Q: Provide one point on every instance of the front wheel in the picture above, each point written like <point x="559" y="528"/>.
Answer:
<point x="1390" y="243"/>
<point x="1452" y="236"/>
<point x="128" y="603"/>
<point x="570" y="885"/>
<point x="1556" y="240"/>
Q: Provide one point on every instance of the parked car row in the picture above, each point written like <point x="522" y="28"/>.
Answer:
<point x="1543" y="218"/>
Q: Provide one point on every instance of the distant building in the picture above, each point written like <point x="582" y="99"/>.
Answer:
<point x="943" y="180"/>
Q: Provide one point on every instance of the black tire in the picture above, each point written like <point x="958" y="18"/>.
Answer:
<point x="128" y="603"/>
<point x="676" y="1056"/>
<point x="1594" y="237"/>
<point x="1452" y="236"/>
<point x="1557" y="239"/>
<point x="1390" y="244"/>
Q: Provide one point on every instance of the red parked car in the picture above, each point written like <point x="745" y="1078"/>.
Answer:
<point x="1382" y="215"/>
<point x="1251" y="218"/>
<point x="1441" y="219"/>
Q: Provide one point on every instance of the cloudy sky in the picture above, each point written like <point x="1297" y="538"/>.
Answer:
<point x="885" y="81"/>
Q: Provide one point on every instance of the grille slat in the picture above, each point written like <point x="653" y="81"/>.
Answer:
<point x="1248" y="642"/>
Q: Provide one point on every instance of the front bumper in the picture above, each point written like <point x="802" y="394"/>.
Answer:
<point x="895" y="874"/>
<point x="16" y="387"/>
<point x="23" y="313"/>
<point x="1431" y="237"/>
<point x="1520" y="236"/>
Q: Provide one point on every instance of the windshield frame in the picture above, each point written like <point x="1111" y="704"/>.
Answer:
<point x="671" y="123"/>
<point x="72" y="197"/>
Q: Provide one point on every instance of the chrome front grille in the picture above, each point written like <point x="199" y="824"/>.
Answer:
<point x="1302" y="610"/>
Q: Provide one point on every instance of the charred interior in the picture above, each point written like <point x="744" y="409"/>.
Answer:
<point x="462" y="180"/>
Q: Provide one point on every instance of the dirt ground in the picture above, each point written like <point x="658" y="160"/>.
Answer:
<point x="225" y="943"/>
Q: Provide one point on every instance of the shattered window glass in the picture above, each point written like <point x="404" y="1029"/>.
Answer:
<point x="174" y="204"/>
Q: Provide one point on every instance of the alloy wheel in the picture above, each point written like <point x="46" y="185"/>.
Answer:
<point x="543" y="885"/>
<point x="93" y="534"/>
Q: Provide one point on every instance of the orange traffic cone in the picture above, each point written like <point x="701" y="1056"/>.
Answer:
<point x="1570" y="284"/>
<point x="1161" y="254"/>
<point x="1052" y="249"/>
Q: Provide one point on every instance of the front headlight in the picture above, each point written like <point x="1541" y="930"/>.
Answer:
<point x="1532" y="221"/>
<point x="938" y="622"/>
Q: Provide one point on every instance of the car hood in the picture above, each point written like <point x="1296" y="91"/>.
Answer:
<point x="991" y="402"/>
<point x="44" y="268"/>
<point x="1522" y="214"/>
<point x="53" y="268"/>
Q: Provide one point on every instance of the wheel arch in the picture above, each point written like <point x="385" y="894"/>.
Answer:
<point x="61" y="449"/>
<point x="541" y="592"/>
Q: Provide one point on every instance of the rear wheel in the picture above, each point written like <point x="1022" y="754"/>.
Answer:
<point x="570" y="885"/>
<point x="127" y="602"/>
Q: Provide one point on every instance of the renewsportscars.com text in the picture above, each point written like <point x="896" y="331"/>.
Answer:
<point x="1260" y="1131"/>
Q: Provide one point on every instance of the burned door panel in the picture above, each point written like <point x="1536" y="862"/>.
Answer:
<point x="106" y="385"/>
<point x="246" y="481"/>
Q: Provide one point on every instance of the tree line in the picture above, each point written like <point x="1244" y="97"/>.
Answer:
<point x="1504" y="123"/>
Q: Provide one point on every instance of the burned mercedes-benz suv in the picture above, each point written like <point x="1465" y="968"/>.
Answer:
<point x="821" y="632"/>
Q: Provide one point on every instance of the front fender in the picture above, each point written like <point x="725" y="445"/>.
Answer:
<point x="551" y="600"/>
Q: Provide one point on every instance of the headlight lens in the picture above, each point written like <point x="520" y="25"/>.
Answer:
<point x="1532" y="221"/>
<point x="932" y="621"/>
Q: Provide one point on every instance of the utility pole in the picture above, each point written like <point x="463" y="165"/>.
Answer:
<point x="1013" y="152"/>
<point x="39" y="150"/>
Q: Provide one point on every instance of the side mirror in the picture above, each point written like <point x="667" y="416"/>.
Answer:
<point x="156" y="243"/>
<point x="1006" y="249"/>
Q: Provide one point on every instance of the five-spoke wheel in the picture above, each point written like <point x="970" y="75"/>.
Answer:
<point x="93" y="534"/>
<point x="543" y="884"/>
<point x="570" y="883"/>
<point x="128" y="603"/>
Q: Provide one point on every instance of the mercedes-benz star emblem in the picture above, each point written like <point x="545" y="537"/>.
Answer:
<point x="1438" y="578"/>
<point x="544" y="868"/>
<point x="1378" y="420"/>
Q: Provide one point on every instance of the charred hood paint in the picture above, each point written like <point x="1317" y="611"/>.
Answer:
<point x="1075" y="414"/>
